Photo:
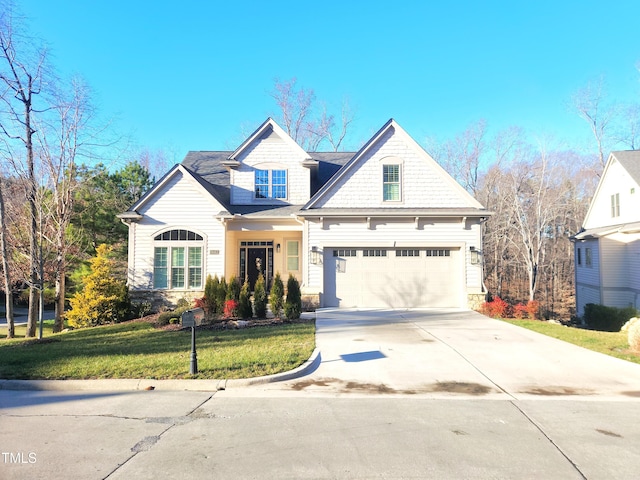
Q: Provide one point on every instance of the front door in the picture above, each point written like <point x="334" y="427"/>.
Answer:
<point x="256" y="264"/>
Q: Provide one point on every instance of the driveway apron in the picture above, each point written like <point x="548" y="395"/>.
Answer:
<point x="453" y="353"/>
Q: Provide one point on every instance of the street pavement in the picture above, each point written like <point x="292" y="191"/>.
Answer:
<point x="389" y="394"/>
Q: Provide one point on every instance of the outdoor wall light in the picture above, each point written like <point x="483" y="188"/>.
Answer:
<point x="475" y="255"/>
<point x="314" y="257"/>
<point x="278" y="248"/>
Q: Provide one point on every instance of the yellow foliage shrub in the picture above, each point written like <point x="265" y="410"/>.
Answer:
<point x="104" y="299"/>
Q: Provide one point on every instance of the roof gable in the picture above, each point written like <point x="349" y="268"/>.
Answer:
<point x="269" y="129"/>
<point x="620" y="180"/>
<point x="424" y="183"/>
<point x="165" y="182"/>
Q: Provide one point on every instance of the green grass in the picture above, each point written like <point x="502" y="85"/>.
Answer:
<point x="138" y="350"/>
<point x="609" y="343"/>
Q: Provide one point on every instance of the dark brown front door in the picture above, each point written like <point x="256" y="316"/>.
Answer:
<point x="256" y="264"/>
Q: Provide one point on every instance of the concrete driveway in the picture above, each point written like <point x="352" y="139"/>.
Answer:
<point x="454" y="353"/>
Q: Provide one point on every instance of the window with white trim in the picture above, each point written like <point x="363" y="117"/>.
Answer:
<point x="293" y="255"/>
<point x="615" y="205"/>
<point x="270" y="183"/>
<point x="391" y="183"/>
<point x="177" y="260"/>
<point x="374" y="252"/>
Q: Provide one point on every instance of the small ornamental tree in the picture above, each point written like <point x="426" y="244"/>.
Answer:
<point x="104" y="299"/>
<point x="244" y="307"/>
<point x="293" y="303"/>
<point x="260" y="298"/>
<point x="276" y="297"/>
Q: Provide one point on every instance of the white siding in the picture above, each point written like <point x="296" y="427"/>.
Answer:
<point x="397" y="233"/>
<point x="423" y="183"/>
<point x="615" y="181"/>
<point x="272" y="153"/>
<point x="587" y="276"/>
<point x="180" y="204"/>
<point x="633" y="255"/>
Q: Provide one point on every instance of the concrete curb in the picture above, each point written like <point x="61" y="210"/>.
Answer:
<point x="111" y="385"/>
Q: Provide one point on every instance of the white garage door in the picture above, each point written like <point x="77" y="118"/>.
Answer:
<point x="392" y="278"/>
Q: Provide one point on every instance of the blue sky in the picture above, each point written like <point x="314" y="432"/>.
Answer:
<point x="192" y="75"/>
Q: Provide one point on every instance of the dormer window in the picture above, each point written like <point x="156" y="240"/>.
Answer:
<point x="271" y="184"/>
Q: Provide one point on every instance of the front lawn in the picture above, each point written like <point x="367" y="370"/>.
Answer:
<point x="609" y="343"/>
<point x="139" y="350"/>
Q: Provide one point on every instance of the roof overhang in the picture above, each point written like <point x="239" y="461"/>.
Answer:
<point x="129" y="217"/>
<point x="396" y="212"/>
<point x="592" y="233"/>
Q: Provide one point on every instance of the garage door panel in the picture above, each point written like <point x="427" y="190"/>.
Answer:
<point x="416" y="278"/>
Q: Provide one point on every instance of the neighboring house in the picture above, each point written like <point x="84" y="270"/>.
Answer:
<point x="607" y="249"/>
<point x="383" y="227"/>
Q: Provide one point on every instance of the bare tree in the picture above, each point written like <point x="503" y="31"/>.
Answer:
<point x="302" y="123"/>
<point x="22" y="76"/>
<point x="590" y="104"/>
<point x="61" y="141"/>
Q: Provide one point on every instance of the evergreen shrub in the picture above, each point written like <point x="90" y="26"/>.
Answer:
<point x="293" y="302"/>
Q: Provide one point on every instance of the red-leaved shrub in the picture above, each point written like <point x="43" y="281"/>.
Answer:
<point x="533" y="309"/>
<point x="520" y="311"/>
<point x="496" y="308"/>
<point x="230" y="309"/>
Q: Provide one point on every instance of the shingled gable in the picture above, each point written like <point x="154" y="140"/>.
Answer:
<point x="471" y="206"/>
<point x="202" y="186"/>
<point x="267" y="129"/>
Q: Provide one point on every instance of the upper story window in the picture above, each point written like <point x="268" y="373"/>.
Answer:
<point x="271" y="183"/>
<point x="391" y="183"/>
<point x="615" y="205"/>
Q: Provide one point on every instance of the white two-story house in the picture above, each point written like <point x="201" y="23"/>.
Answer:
<point x="382" y="227"/>
<point x="607" y="249"/>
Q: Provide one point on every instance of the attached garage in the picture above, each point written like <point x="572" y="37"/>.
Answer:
<point x="392" y="277"/>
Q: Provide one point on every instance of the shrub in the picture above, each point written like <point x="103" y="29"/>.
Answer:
<point x="276" y="297"/>
<point x="233" y="289"/>
<point x="607" y="319"/>
<point x="104" y="298"/>
<point x="260" y="298"/>
<point x="533" y="309"/>
<point x="172" y="316"/>
<point x="520" y="310"/>
<point x="496" y="308"/>
<point x="293" y="302"/>
<point x="244" y="305"/>
<point x="220" y="295"/>
<point x="230" y="309"/>
<point x="141" y="309"/>
<point x="208" y="302"/>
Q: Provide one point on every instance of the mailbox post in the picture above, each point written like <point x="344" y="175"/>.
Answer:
<point x="189" y="319"/>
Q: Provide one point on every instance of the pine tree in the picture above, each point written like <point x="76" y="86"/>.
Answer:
<point x="276" y="297"/>
<point x="260" y="298"/>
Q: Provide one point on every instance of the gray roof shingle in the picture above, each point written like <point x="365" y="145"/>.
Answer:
<point x="209" y="170"/>
<point x="630" y="160"/>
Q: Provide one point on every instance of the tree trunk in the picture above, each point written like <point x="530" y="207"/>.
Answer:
<point x="60" y="292"/>
<point x="33" y="232"/>
<point x="11" y="329"/>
